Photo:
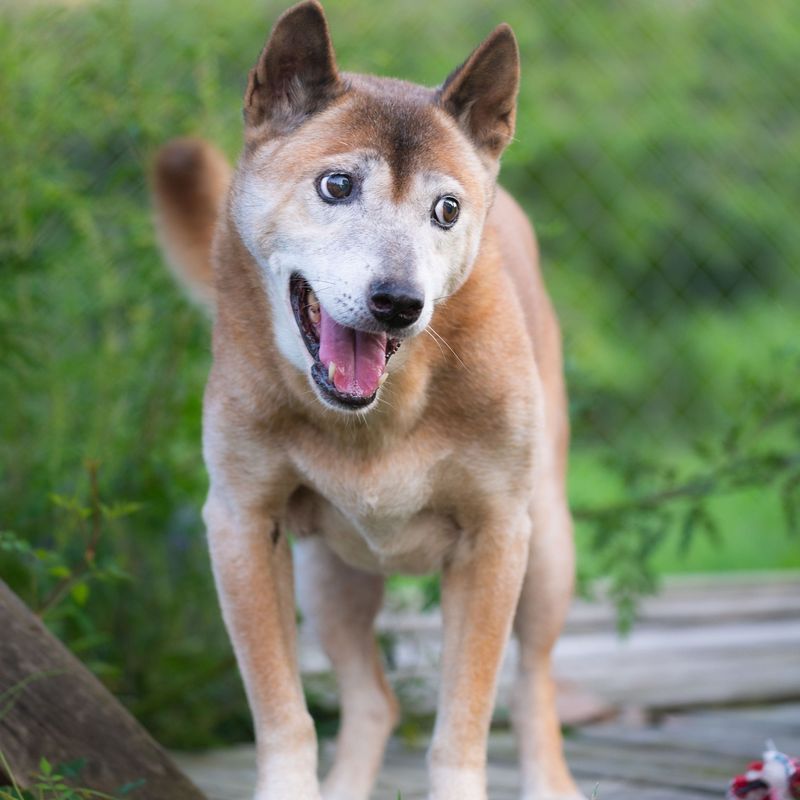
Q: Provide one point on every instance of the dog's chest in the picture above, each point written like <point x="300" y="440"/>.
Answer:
<point x="381" y="513"/>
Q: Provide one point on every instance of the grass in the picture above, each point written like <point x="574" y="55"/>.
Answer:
<point x="55" y="783"/>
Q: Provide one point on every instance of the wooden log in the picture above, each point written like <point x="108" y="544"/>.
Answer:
<point x="51" y="706"/>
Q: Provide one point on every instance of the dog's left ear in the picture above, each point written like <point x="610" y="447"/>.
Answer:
<point x="482" y="93"/>
<point x="296" y="73"/>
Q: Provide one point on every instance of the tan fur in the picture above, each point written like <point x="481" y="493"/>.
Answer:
<point x="190" y="179"/>
<point x="460" y="467"/>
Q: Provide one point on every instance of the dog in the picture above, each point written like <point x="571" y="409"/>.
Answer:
<point x="387" y="389"/>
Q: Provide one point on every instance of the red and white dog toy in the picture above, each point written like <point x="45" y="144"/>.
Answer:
<point x="776" y="777"/>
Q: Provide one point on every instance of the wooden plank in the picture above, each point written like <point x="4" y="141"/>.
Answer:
<point x="688" y="757"/>
<point x="683" y="682"/>
<point x="651" y="670"/>
<point x="54" y="707"/>
<point x="644" y="763"/>
<point x="743" y="648"/>
<point x="701" y="642"/>
<point x="738" y="638"/>
<point x="682" y="601"/>
<point x="785" y="715"/>
<point x="651" y="766"/>
<point x="733" y="737"/>
<point x="615" y="790"/>
<point x="230" y="775"/>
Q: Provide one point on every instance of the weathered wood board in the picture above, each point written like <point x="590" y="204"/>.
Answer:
<point x="702" y="643"/>
<point x="726" y="640"/>
<point x="684" y="757"/>
<point x="52" y="705"/>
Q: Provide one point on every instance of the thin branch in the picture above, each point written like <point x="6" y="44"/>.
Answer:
<point x="698" y="486"/>
<point x="65" y="585"/>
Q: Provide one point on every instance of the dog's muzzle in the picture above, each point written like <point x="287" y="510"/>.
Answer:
<point x="349" y="365"/>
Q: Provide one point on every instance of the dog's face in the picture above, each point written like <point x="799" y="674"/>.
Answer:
<point x="363" y="200"/>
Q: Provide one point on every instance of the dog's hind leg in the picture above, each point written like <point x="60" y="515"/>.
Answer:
<point x="543" y="606"/>
<point x="341" y="603"/>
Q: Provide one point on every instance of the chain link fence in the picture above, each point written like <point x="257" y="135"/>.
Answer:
<point x="657" y="152"/>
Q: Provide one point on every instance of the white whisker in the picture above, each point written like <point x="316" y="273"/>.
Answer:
<point x="444" y="342"/>
<point x="437" y="342"/>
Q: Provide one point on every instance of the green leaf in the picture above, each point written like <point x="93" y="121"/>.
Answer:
<point x="59" y="571"/>
<point x="45" y="767"/>
<point x="790" y="502"/>
<point x="698" y="519"/>
<point x="72" y="769"/>
<point x="131" y="787"/>
<point x="112" y="572"/>
<point x="80" y="593"/>
<point x="10" y="793"/>
<point x="72" y="505"/>
<point x="120" y="509"/>
<point x="11" y="543"/>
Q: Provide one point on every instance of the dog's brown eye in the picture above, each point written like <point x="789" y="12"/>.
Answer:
<point x="337" y="186"/>
<point x="445" y="212"/>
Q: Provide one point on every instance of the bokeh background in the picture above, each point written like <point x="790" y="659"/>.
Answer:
<point x="658" y="153"/>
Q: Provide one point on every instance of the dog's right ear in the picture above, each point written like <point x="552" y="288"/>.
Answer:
<point x="296" y="73"/>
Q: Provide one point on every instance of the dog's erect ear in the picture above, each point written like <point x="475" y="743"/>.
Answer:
<point x="296" y="73"/>
<point x="482" y="93"/>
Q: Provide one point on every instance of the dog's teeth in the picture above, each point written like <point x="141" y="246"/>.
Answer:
<point x="331" y="371"/>
<point x="313" y="307"/>
<point x="382" y="379"/>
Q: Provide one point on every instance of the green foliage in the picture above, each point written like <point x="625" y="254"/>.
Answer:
<point x="654" y="150"/>
<point x="57" y="783"/>
<point x="760" y="451"/>
<point x="78" y="558"/>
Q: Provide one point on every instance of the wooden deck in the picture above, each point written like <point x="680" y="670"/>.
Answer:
<point x="711" y="672"/>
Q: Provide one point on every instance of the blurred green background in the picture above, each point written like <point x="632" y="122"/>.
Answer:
<point x="657" y="151"/>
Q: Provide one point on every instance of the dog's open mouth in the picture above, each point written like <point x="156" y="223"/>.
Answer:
<point x="349" y="365"/>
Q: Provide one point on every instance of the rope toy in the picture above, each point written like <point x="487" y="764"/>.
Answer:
<point x="775" y="777"/>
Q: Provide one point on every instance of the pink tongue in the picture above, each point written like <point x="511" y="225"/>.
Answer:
<point x="360" y="357"/>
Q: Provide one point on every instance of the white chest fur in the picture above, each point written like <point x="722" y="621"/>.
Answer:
<point x="380" y="514"/>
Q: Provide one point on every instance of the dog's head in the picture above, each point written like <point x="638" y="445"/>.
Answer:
<point x="363" y="199"/>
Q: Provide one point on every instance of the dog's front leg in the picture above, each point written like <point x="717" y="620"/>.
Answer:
<point x="253" y="570"/>
<point x="480" y="590"/>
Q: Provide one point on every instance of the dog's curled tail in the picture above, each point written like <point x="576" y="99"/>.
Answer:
<point x="190" y="179"/>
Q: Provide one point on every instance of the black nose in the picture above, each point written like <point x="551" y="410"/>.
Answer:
<point x="395" y="304"/>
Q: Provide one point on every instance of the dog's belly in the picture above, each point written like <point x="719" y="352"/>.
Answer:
<point x="414" y="544"/>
